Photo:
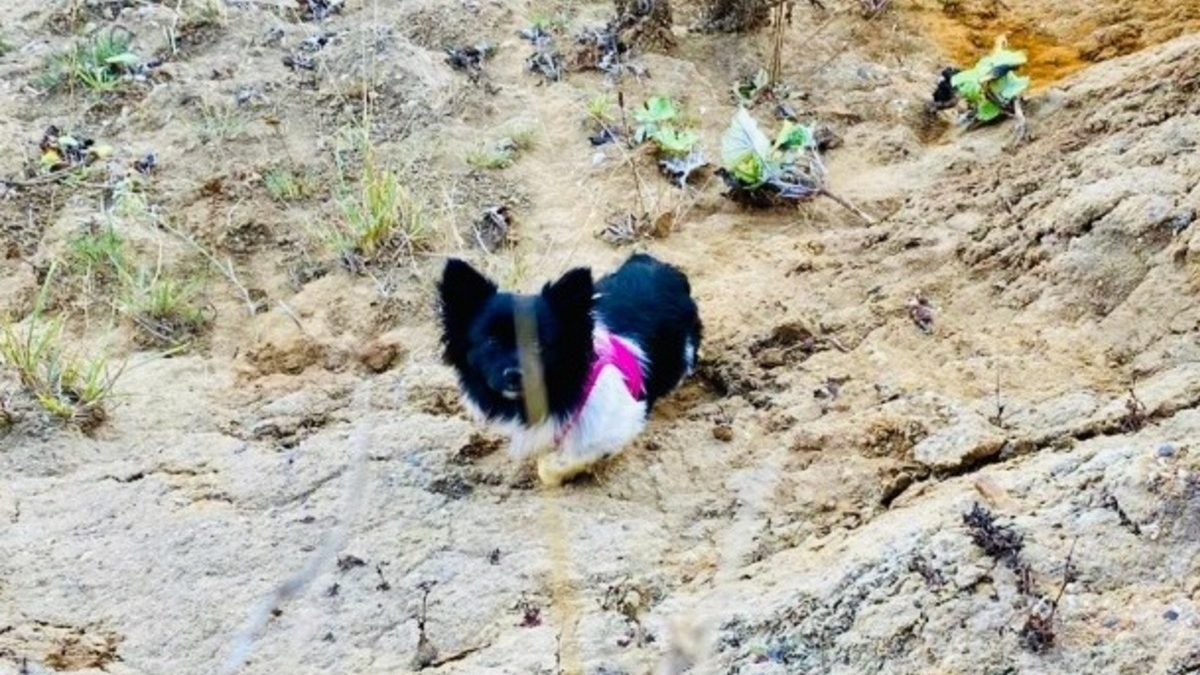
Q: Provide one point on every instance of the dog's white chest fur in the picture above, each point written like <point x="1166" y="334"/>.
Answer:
<point x="608" y="420"/>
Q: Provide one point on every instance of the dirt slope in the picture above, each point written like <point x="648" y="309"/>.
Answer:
<point x="797" y="508"/>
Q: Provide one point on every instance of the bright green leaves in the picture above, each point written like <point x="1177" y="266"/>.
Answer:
<point x="674" y="141"/>
<point x="794" y="136"/>
<point x="986" y="111"/>
<point x="749" y="155"/>
<point x="656" y="110"/>
<point x="1011" y="86"/>
<point x="992" y="85"/>
<point x="749" y="170"/>
<point x="658" y="122"/>
<point x="745" y="150"/>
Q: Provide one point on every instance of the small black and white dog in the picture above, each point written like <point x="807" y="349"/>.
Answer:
<point x="608" y="350"/>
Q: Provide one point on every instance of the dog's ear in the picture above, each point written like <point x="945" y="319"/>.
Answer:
<point x="463" y="292"/>
<point x="572" y="293"/>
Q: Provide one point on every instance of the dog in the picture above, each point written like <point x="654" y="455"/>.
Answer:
<point x="579" y="383"/>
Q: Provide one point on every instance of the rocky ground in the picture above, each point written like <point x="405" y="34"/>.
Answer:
<point x="284" y="474"/>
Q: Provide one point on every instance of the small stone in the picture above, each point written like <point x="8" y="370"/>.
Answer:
<point x="380" y="354"/>
<point x="723" y="432"/>
<point x="1171" y="615"/>
<point x="1166" y="450"/>
<point x="1111" y="622"/>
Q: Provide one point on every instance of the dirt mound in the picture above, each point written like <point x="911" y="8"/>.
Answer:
<point x="1060" y="37"/>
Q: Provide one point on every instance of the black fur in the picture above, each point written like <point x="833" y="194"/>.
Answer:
<point x="645" y="301"/>
<point x="945" y="96"/>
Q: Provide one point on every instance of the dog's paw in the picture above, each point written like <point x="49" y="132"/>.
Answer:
<point x="556" y="468"/>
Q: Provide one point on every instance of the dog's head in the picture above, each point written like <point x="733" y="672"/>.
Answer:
<point x="479" y="336"/>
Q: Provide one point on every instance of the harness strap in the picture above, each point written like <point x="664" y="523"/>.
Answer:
<point x="611" y="350"/>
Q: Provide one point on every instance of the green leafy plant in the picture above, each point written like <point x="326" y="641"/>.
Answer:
<point x="287" y="185"/>
<point x="504" y="152"/>
<point x="992" y="87"/>
<point x="67" y="386"/>
<point x="165" y="309"/>
<point x="659" y="122"/>
<point x="600" y="109"/>
<point x="762" y="173"/>
<point x="675" y="142"/>
<point x="382" y="214"/>
<point x="99" y="64"/>
<point x="750" y="158"/>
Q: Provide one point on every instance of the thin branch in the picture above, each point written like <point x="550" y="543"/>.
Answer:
<point x="847" y="205"/>
<point x="226" y="269"/>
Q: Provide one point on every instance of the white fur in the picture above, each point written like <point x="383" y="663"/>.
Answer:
<point x="609" y="420"/>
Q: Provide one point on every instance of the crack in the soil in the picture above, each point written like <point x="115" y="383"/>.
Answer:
<point x="164" y="470"/>
<point x="317" y="485"/>
<point x="1126" y="522"/>
<point x="1012" y="449"/>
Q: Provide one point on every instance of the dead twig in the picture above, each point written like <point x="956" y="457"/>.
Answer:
<point x="637" y="178"/>
<point x="1038" y="633"/>
<point x="998" y="419"/>
<point x="295" y="319"/>
<point x="226" y="269"/>
<point x="847" y="205"/>
<point x="40" y="180"/>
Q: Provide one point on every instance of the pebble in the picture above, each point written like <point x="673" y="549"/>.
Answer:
<point x="1166" y="450"/>
<point x="1171" y="615"/>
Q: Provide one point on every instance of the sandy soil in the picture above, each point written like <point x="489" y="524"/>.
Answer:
<point x="799" y="507"/>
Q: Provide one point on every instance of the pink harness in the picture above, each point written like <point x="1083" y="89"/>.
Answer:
<point x="611" y="350"/>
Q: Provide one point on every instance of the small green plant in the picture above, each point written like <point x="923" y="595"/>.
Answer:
<point x="755" y="161"/>
<point x="96" y="250"/>
<point x="100" y="64"/>
<point x="660" y="122"/>
<point x="601" y="109"/>
<point x="219" y="123"/>
<point x="68" y="387"/>
<point x="992" y="88"/>
<point x="548" y="22"/>
<point x="523" y="140"/>
<point x="673" y="137"/>
<point x="760" y="172"/>
<point x="491" y="158"/>
<point x="165" y="309"/>
<point x="5" y="47"/>
<point x="504" y="152"/>
<point x="381" y="214"/>
<point x="129" y="201"/>
<point x="287" y="185"/>
<point x="210" y="12"/>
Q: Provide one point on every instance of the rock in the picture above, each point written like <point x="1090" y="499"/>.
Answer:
<point x="969" y="439"/>
<point x="723" y="432"/>
<point x="381" y="354"/>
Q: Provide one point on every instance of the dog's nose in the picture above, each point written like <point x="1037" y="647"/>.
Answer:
<point x="512" y="379"/>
